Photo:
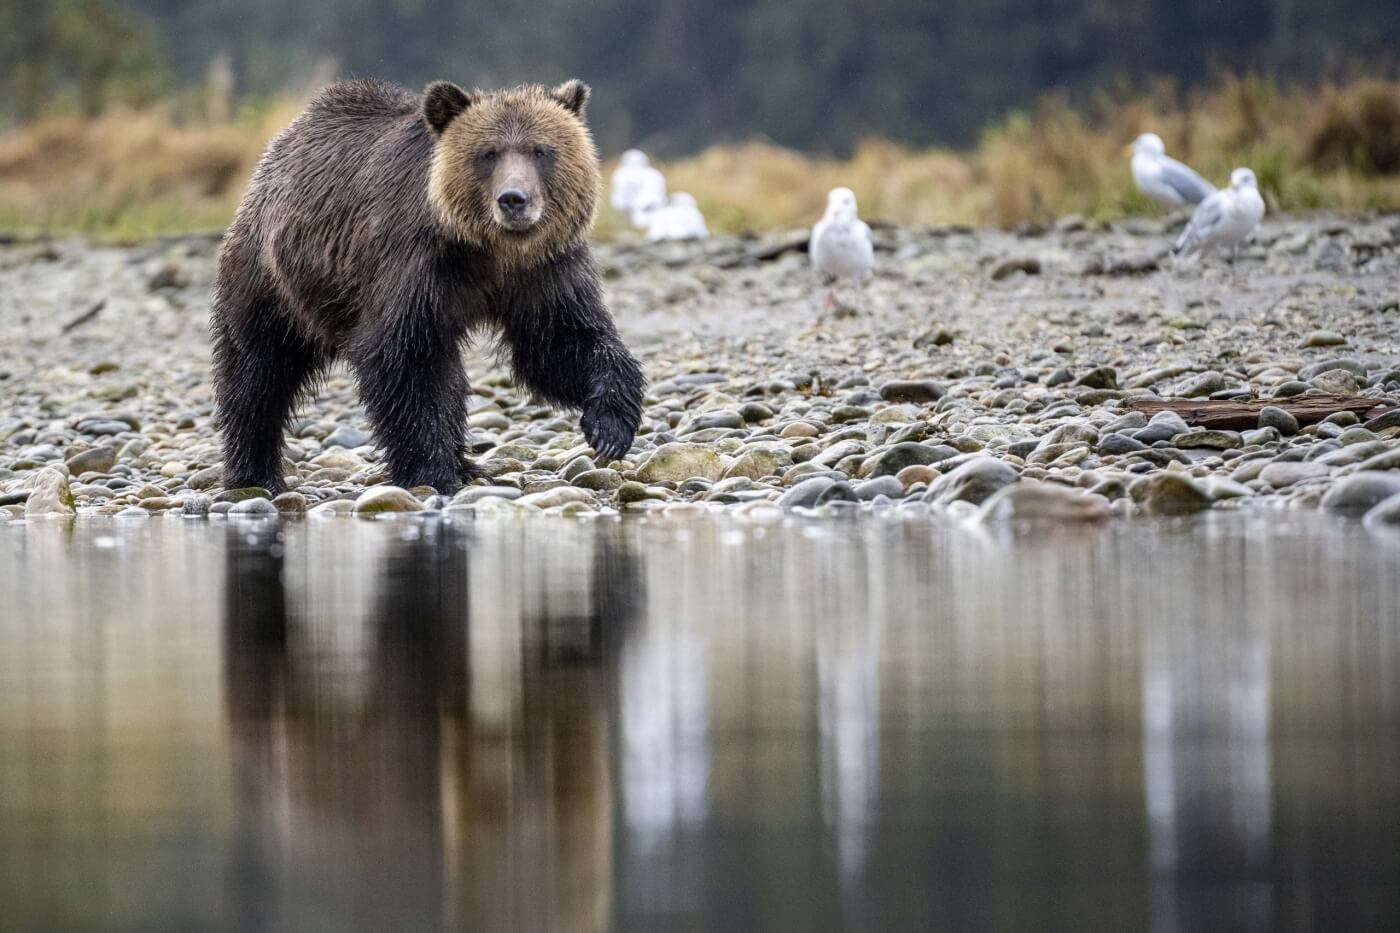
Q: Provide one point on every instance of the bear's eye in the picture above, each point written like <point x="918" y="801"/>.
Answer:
<point x="541" y="152"/>
<point x="489" y="155"/>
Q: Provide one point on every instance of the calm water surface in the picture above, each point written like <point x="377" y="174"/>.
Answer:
<point x="694" y="725"/>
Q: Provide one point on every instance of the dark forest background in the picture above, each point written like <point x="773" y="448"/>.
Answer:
<point x="812" y="74"/>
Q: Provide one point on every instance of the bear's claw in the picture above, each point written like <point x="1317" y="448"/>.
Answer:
<point x="609" y="431"/>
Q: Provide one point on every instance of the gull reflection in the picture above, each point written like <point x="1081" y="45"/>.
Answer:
<point x="1207" y="769"/>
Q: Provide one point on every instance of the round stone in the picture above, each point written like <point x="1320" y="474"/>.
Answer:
<point x="378" y="499"/>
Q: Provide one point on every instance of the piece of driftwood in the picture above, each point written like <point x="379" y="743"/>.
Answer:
<point x="86" y="316"/>
<point x="1242" y="414"/>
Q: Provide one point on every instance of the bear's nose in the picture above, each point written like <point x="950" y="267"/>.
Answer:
<point x="512" y="199"/>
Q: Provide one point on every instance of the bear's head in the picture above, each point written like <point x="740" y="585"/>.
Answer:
<point x="514" y="172"/>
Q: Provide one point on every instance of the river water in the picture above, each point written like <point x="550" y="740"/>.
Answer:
<point x="691" y="724"/>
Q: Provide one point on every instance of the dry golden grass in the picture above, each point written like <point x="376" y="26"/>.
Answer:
<point x="132" y="174"/>
<point x="129" y="174"/>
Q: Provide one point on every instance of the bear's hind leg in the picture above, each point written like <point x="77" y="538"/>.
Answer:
<point x="261" y="366"/>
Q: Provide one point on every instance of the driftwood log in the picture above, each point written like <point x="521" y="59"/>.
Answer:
<point x="1242" y="414"/>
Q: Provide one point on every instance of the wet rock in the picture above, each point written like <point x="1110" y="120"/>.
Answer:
<point x="917" y="391"/>
<point x="603" y="480"/>
<point x="291" y="503"/>
<point x="839" y="491"/>
<point x="1169" y="493"/>
<point x="481" y="421"/>
<point x="1271" y="416"/>
<point x="1360" y="492"/>
<point x="1069" y="433"/>
<point x="1324" y="338"/>
<point x="49" y="494"/>
<point x="1355" y="367"/>
<point x="346" y="436"/>
<point x="1386" y="461"/>
<point x="1207" y="383"/>
<point x="474" y="494"/>
<point x="1208" y="440"/>
<point x="253" y="507"/>
<point x="806" y="493"/>
<point x="1260" y="436"/>
<point x="559" y="496"/>
<point x="728" y="420"/>
<point x="1390" y="419"/>
<point x="1222" y="488"/>
<point x="207" y="478"/>
<point x="800" y="429"/>
<point x="633" y="491"/>
<point x="1290" y="389"/>
<point x="1162" y="427"/>
<point x="576" y="467"/>
<point x="1119" y="445"/>
<point x="1385" y="514"/>
<point x="888" y="486"/>
<point x="679" y="462"/>
<point x="378" y="499"/>
<point x="103" y="428"/>
<point x="756" y="464"/>
<point x="1282" y="474"/>
<point x="246" y="492"/>
<point x="975" y="482"/>
<point x="1336" y="382"/>
<point x="890" y="462"/>
<point x="93" y="460"/>
<point x="161" y="504"/>
<point x="1100" y="377"/>
<point x="838" y="452"/>
<point x="1035" y="502"/>
<point x="133" y="448"/>
<point x="916" y="474"/>
<point x="1130" y="421"/>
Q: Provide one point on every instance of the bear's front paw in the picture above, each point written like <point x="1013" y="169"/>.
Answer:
<point x="609" y="429"/>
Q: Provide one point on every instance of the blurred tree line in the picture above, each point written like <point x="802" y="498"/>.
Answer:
<point x="812" y="74"/>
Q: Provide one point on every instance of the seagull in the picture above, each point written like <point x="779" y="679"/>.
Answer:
<point x="1166" y="181"/>
<point x="638" y="188"/>
<point x="679" y="219"/>
<point x="1226" y="218"/>
<point x="841" y="247"/>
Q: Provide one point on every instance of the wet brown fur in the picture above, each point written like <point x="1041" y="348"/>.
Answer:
<point x="368" y="233"/>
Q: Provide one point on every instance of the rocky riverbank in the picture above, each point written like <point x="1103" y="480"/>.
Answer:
<point x="980" y="371"/>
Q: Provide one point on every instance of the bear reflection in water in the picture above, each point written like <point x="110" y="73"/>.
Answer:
<point x="412" y="762"/>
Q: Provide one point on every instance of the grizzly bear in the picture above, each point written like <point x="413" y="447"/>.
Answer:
<point x="385" y="228"/>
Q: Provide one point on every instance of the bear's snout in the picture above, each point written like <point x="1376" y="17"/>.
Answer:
<point x="517" y="180"/>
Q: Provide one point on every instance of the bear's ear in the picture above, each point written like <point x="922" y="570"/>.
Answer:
<point x="573" y="94"/>
<point x="442" y="101"/>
